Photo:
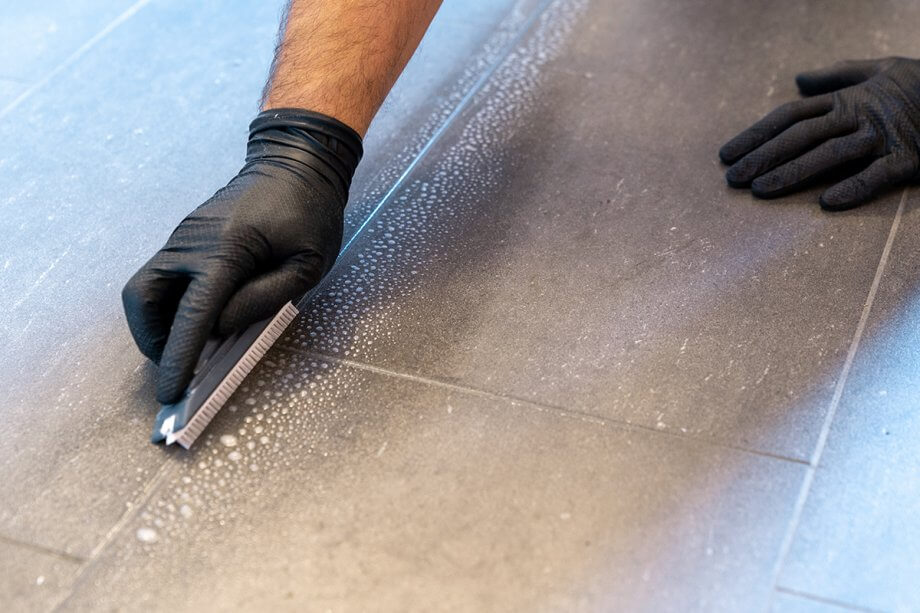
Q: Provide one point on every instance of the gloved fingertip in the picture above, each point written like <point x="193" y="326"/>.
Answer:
<point x="830" y="201"/>
<point x="726" y="154"/>
<point x="774" y="184"/>
<point x="735" y="177"/>
<point x="764" y="186"/>
<point x="735" y="149"/>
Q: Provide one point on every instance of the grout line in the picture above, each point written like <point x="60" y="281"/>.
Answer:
<point x="821" y="443"/>
<point x="461" y="106"/>
<point x="73" y="57"/>
<point x="69" y="557"/>
<point x="540" y="405"/>
<point x="129" y="513"/>
<point x="127" y="516"/>
<point x="441" y="130"/>
<point x="830" y="601"/>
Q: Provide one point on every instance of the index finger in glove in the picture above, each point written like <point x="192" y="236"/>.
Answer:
<point x="829" y="154"/>
<point x="773" y="124"/>
<point x="150" y="299"/>
<point x="790" y="144"/>
<point x="198" y="311"/>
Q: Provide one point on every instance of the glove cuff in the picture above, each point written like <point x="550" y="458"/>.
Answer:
<point x="308" y="143"/>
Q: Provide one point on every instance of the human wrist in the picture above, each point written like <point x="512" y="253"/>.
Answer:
<point x="308" y="143"/>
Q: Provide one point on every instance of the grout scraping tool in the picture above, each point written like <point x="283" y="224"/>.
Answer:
<point x="221" y="368"/>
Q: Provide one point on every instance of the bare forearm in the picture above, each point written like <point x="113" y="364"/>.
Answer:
<point x="341" y="58"/>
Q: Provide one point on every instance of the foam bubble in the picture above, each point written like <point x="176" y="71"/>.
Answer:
<point x="147" y="535"/>
<point x="228" y="440"/>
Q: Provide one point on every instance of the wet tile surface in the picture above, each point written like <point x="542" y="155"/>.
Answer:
<point x="859" y="538"/>
<point x="349" y="490"/>
<point x="32" y="580"/>
<point x="80" y="174"/>
<point x="572" y="240"/>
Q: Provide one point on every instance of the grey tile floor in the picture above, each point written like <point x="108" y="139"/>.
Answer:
<point x="560" y="366"/>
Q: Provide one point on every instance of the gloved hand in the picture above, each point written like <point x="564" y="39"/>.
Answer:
<point x="266" y="238"/>
<point x="863" y="111"/>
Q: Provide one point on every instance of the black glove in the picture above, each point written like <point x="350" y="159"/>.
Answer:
<point x="862" y="112"/>
<point x="266" y="238"/>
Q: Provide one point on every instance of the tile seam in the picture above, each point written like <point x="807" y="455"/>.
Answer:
<point x="63" y="555"/>
<point x="461" y="106"/>
<point x="129" y="513"/>
<point x="541" y="406"/>
<point x="842" y="378"/>
<point x="824" y="600"/>
<point x="139" y="502"/>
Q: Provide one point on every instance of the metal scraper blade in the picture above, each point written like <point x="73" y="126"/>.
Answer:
<point x="223" y="365"/>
